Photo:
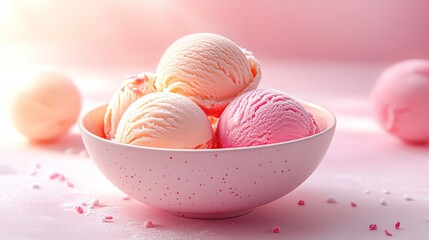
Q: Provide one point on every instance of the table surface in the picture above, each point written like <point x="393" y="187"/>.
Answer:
<point x="364" y="165"/>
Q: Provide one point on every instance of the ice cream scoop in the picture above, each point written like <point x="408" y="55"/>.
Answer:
<point x="46" y="107"/>
<point x="209" y="69"/>
<point x="263" y="116"/>
<point x="165" y="120"/>
<point x="401" y="100"/>
<point x="130" y="90"/>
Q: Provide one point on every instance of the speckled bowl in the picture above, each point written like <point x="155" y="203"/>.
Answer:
<point x="210" y="183"/>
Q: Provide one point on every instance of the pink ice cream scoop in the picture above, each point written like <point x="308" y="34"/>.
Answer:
<point x="401" y="100"/>
<point x="209" y="69"/>
<point x="131" y="89"/>
<point x="263" y="116"/>
<point x="165" y="120"/>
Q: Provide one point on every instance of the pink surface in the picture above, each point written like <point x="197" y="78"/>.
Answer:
<point x="364" y="165"/>
<point x="263" y="116"/>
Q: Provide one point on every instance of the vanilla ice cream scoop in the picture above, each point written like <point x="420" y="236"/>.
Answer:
<point x="209" y="69"/>
<point x="130" y="90"/>
<point x="47" y="106"/>
<point x="165" y="120"/>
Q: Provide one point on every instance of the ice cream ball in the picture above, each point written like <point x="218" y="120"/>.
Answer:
<point x="46" y="106"/>
<point x="400" y="100"/>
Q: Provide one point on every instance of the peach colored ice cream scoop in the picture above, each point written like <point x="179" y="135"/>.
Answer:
<point x="130" y="90"/>
<point x="263" y="116"/>
<point x="47" y="106"/>
<point x="165" y="120"/>
<point x="209" y="69"/>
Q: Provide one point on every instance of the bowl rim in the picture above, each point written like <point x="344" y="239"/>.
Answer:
<point x="331" y="125"/>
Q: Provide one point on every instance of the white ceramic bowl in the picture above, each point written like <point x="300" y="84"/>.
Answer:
<point x="208" y="183"/>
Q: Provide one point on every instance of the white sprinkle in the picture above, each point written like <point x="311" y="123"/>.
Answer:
<point x="35" y="186"/>
<point x="331" y="200"/>
<point x="70" y="151"/>
<point x="104" y="219"/>
<point x="149" y="224"/>
<point x="366" y="191"/>
<point x="83" y="154"/>
<point x="386" y="191"/>
<point x="383" y="202"/>
<point x="32" y="172"/>
<point x="126" y="198"/>
<point x="95" y="202"/>
<point x="408" y="198"/>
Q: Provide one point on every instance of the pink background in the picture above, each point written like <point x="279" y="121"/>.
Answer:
<point x="131" y="32"/>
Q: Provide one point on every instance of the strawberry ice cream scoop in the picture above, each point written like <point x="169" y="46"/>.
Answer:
<point x="209" y="69"/>
<point x="165" y="120"/>
<point x="401" y="100"/>
<point x="263" y="116"/>
<point x="131" y="89"/>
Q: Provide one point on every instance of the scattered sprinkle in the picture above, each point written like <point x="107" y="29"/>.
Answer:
<point x="62" y="178"/>
<point x="408" y="198"/>
<point x="54" y="176"/>
<point x="83" y="154"/>
<point x="366" y="191"/>
<point x="388" y="233"/>
<point x="83" y="203"/>
<point x="35" y="186"/>
<point x="353" y="204"/>
<point x="95" y="202"/>
<point x="383" y="202"/>
<point x="70" y="151"/>
<point x="37" y="166"/>
<point x="69" y="184"/>
<point x="386" y="191"/>
<point x="397" y="225"/>
<point x="149" y="224"/>
<point x="301" y="203"/>
<point x="32" y="172"/>
<point x="373" y="227"/>
<point x="331" y="200"/>
<point x="126" y="198"/>
<point x="107" y="219"/>
<point x="79" y="209"/>
<point x="276" y="230"/>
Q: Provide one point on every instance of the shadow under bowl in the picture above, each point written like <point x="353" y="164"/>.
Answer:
<point x="208" y="183"/>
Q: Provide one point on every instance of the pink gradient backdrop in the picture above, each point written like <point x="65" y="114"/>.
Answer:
<point x="131" y="32"/>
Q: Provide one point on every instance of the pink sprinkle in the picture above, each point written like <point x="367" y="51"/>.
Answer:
<point x="53" y="176"/>
<point x="149" y="224"/>
<point x="397" y="225"/>
<point x="108" y="217"/>
<point x="373" y="227"/>
<point x="37" y="166"/>
<point x="126" y="198"/>
<point x="353" y="204"/>
<point x="388" y="233"/>
<point x="331" y="200"/>
<point x="69" y="184"/>
<point x="35" y="186"/>
<point x="79" y="209"/>
<point x="276" y="230"/>
<point x="301" y="203"/>
<point x="62" y="177"/>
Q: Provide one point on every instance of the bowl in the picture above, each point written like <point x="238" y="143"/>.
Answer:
<point x="207" y="183"/>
